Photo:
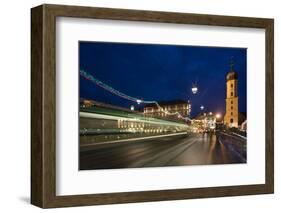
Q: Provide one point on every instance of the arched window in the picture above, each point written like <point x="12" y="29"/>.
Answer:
<point x="231" y="120"/>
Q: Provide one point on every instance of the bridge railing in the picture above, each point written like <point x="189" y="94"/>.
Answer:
<point x="235" y="143"/>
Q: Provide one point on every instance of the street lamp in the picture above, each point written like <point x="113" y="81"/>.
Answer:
<point x="132" y="108"/>
<point x="201" y="107"/>
<point x="194" y="89"/>
<point x="218" y="116"/>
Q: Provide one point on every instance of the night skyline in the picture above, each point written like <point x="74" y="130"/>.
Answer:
<point x="161" y="73"/>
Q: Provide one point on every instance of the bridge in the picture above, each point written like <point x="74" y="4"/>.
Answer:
<point x="113" y="137"/>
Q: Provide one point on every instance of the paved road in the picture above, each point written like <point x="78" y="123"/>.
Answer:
<point x="195" y="149"/>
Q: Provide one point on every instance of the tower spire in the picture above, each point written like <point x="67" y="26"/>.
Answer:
<point x="231" y="63"/>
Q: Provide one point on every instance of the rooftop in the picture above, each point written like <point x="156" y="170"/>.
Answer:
<point x="232" y="75"/>
<point x="168" y="103"/>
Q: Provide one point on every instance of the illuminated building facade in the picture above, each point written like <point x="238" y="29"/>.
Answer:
<point x="204" y="122"/>
<point x="168" y="109"/>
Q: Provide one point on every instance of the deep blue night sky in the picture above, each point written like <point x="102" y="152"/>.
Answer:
<point x="162" y="72"/>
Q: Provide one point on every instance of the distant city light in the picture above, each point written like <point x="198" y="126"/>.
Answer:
<point x="201" y="107"/>
<point x="132" y="108"/>
<point x="139" y="101"/>
<point x="210" y="113"/>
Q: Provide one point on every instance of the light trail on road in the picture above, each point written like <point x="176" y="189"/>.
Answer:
<point x="144" y="120"/>
<point x="177" y="150"/>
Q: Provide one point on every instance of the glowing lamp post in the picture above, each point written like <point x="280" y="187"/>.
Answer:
<point x="132" y="108"/>
<point x="218" y="116"/>
<point x="202" y="107"/>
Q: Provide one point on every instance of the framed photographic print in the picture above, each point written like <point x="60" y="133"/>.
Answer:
<point x="136" y="106"/>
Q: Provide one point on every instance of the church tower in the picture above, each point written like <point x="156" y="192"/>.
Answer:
<point x="231" y="110"/>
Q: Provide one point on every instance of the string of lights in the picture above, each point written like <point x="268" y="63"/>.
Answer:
<point x="127" y="97"/>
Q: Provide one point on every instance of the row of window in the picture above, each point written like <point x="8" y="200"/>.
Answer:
<point x="174" y="108"/>
<point x="231" y="107"/>
<point x="231" y="94"/>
